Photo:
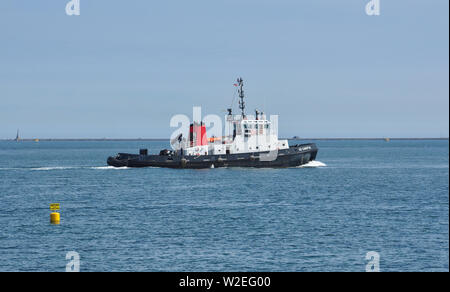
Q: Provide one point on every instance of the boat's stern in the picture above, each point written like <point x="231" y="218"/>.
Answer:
<point x="120" y="160"/>
<point x="113" y="161"/>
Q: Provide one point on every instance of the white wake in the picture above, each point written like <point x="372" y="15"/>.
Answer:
<point x="108" y="167"/>
<point x="74" y="167"/>
<point x="53" y="168"/>
<point x="313" y="164"/>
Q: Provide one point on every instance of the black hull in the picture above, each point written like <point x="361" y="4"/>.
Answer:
<point x="294" y="156"/>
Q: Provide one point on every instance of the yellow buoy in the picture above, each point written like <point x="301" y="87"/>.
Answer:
<point x="54" y="218"/>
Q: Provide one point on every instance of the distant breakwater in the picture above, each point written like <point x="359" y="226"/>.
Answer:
<point x="166" y="139"/>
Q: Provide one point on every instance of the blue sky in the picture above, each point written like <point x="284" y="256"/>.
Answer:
<point x="122" y="68"/>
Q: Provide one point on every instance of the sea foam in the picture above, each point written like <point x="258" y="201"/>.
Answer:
<point x="313" y="164"/>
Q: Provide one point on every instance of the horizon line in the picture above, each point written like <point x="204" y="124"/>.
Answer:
<point x="168" y="139"/>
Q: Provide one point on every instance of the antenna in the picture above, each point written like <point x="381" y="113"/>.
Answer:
<point x="241" y="96"/>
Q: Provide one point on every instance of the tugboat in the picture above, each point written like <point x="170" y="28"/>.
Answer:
<point x="251" y="143"/>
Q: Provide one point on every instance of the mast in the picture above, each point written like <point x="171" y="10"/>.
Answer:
<point x="241" y="96"/>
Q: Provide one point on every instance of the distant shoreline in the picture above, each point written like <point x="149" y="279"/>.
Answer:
<point x="166" y="139"/>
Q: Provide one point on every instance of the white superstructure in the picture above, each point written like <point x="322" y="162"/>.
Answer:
<point x="247" y="134"/>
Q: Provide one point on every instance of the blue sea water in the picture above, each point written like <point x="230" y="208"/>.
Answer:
<point x="391" y="198"/>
